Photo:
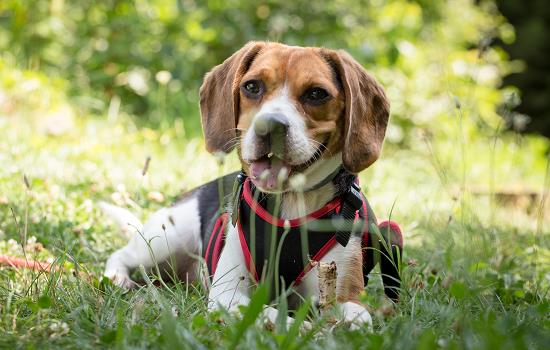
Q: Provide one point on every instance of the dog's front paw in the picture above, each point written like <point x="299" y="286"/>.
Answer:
<point x="268" y="319"/>
<point x="122" y="280"/>
<point x="356" y="315"/>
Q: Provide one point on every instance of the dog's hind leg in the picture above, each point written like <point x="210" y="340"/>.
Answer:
<point x="170" y="233"/>
<point x="390" y="258"/>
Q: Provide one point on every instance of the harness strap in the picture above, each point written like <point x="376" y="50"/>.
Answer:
<point x="327" y="179"/>
<point x="216" y="243"/>
<point x="352" y="201"/>
<point x="348" y="205"/>
<point x="345" y="218"/>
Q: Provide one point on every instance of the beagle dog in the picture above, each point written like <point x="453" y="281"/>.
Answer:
<point x="305" y="121"/>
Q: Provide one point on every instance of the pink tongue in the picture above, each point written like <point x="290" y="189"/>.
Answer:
<point x="265" y="172"/>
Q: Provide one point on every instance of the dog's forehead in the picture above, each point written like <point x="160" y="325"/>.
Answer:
<point x="291" y="64"/>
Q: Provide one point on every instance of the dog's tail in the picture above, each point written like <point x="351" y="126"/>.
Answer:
<point x="128" y="222"/>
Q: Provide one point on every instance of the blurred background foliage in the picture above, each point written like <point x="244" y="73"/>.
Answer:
<point x="90" y="88"/>
<point x="147" y="58"/>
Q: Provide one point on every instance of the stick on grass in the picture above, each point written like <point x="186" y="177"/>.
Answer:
<point x="326" y="273"/>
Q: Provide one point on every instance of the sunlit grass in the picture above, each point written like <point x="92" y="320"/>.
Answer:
<point x="476" y="274"/>
<point x="476" y="242"/>
<point x="468" y="196"/>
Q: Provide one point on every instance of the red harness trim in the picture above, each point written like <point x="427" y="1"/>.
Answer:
<point x="315" y="259"/>
<point x="395" y="228"/>
<point x="334" y="204"/>
<point x="220" y="225"/>
<point x="366" y="232"/>
<point x="250" y="266"/>
<point x="262" y="213"/>
<point x="218" y="240"/>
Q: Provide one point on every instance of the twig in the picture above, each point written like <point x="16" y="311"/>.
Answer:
<point x="327" y="285"/>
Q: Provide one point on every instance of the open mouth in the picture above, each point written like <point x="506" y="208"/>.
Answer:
<point x="270" y="172"/>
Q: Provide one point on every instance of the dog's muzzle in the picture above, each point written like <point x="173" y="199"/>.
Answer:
<point x="269" y="168"/>
<point x="272" y="129"/>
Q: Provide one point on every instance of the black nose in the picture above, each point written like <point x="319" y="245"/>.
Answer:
<point x="271" y="124"/>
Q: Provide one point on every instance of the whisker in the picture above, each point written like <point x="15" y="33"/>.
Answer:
<point x="319" y="151"/>
<point x="235" y="129"/>
<point x="233" y="141"/>
<point x="317" y="143"/>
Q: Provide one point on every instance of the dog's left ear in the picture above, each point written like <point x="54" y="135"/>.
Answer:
<point x="366" y="115"/>
<point x="219" y="98"/>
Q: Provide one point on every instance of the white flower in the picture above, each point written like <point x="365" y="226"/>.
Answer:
<point x="297" y="182"/>
<point x="163" y="77"/>
<point x="58" y="329"/>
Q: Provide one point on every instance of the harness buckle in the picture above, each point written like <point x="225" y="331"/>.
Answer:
<point x="354" y="197"/>
<point x="352" y="201"/>
<point x="241" y="177"/>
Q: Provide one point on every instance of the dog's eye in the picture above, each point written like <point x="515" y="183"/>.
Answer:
<point x="316" y="96"/>
<point x="253" y="88"/>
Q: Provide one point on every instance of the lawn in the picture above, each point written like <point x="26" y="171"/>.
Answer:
<point x="476" y="265"/>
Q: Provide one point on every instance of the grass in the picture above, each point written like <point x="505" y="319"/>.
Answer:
<point x="476" y="269"/>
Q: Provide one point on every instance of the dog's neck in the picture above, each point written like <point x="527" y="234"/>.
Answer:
<point x="323" y="182"/>
<point x="295" y="204"/>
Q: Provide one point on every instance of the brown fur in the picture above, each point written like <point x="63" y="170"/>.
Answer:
<point x="219" y="101"/>
<point x="352" y="282"/>
<point x="300" y="69"/>
<point x="367" y="112"/>
<point x="353" y="121"/>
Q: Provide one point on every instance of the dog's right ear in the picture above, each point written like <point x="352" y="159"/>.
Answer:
<point x="219" y="98"/>
<point x="366" y="115"/>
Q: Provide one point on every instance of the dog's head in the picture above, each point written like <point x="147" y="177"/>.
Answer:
<point x="293" y="110"/>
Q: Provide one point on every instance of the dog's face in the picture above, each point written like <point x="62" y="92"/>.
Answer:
<point x="293" y="110"/>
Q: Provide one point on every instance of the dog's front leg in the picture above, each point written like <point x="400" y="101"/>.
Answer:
<point x="231" y="283"/>
<point x="350" y="284"/>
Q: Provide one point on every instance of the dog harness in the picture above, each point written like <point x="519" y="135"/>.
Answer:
<point x="262" y="236"/>
<point x="295" y="244"/>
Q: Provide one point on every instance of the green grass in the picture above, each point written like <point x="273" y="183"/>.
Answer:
<point x="476" y="271"/>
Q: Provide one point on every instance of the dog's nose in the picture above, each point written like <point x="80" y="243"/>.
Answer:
<point x="271" y="124"/>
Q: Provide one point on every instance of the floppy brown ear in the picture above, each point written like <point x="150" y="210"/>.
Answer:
<point x="219" y="98"/>
<point x="367" y="112"/>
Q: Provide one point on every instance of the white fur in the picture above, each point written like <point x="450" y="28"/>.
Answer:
<point x="170" y="232"/>
<point x="302" y="147"/>
<point x="295" y="204"/>
<point x="231" y="282"/>
<point x="357" y="316"/>
<point x="319" y="170"/>
<point x="128" y="222"/>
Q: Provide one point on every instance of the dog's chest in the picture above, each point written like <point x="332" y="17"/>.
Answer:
<point x="283" y="249"/>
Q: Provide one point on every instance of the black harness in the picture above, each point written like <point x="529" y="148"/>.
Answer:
<point x="290" y="245"/>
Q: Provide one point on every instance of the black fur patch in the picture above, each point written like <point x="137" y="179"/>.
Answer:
<point x="213" y="202"/>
